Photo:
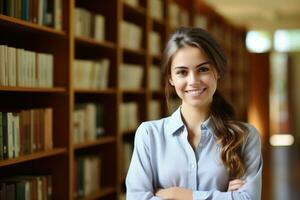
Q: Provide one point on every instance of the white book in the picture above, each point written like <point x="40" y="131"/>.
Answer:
<point x="96" y="74"/>
<point x="10" y="136"/>
<point x="173" y="14"/>
<point x="184" y="17"/>
<point x="14" y="66"/>
<point x="154" y="78"/>
<point x="135" y="39"/>
<point x="33" y="70"/>
<point x="128" y="150"/>
<point x="154" y="110"/>
<point x="58" y="14"/>
<point x="19" y="67"/>
<point x="154" y="43"/>
<point x="87" y="23"/>
<point x="132" y="115"/>
<point x="132" y="2"/>
<point x="200" y="21"/>
<point x="104" y="78"/>
<point x="156" y="9"/>
<point x="10" y="65"/>
<point x="90" y="117"/>
<point x="131" y="76"/>
<point x="99" y="31"/>
<point x="78" y="22"/>
<point x="41" y="12"/>
<point x="17" y="134"/>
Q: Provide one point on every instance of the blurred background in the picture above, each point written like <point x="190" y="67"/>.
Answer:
<point x="273" y="42"/>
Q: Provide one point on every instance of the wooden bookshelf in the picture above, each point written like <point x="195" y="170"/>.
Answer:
<point x="65" y="99"/>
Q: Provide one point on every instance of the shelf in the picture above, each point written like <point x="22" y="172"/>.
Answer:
<point x="93" y="42"/>
<point x="128" y="132"/>
<point x="100" y="141"/>
<point x="33" y="156"/>
<point x="137" y="10"/>
<point x="156" y="58"/>
<point x="32" y="89"/>
<point x="102" y="193"/>
<point x="158" y="92"/>
<point x="133" y="91"/>
<point x="140" y="52"/>
<point x="16" y="23"/>
<point x="96" y="91"/>
<point x="158" y="24"/>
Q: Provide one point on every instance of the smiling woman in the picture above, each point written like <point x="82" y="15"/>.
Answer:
<point x="200" y="151"/>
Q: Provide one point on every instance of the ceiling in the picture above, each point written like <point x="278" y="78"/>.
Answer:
<point x="260" y="14"/>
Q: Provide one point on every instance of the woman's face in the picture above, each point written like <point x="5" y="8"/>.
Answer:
<point x="193" y="76"/>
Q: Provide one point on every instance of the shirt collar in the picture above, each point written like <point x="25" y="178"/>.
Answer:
<point x="176" y="122"/>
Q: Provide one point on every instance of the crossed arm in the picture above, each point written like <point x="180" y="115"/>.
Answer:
<point x="140" y="178"/>
<point x="177" y="193"/>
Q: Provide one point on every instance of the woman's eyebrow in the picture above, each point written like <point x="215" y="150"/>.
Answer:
<point x="199" y="65"/>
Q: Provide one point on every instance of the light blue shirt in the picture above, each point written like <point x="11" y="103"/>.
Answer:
<point x="164" y="158"/>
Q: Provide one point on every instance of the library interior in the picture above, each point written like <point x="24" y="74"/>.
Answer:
<point x="67" y="130"/>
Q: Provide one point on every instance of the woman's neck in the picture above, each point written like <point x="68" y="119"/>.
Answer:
<point x="194" y="117"/>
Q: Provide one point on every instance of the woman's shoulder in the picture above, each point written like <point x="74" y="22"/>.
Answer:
<point x="154" y="125"/>
<point x="253" y="135"/>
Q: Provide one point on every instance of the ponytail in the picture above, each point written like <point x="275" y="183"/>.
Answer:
<point x="230" y="135"/>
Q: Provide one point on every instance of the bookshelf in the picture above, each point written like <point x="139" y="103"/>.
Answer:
<point x="89" y="130"/>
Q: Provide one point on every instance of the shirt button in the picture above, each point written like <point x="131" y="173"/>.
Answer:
<point x="193" y="166"/>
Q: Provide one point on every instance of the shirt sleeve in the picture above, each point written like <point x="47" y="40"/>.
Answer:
<point x="251" y="190"/>
<point x="139" y="180"/>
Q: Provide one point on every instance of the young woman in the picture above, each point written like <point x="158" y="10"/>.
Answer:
<point x="200" y="151"/>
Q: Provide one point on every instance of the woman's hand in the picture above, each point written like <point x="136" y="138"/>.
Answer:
<point x="175" y="193"/>
<point x="235" y="184"/>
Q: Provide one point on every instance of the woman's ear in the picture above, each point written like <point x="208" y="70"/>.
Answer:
<point x="171" y="81"/>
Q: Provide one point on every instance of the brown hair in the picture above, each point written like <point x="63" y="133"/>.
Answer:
<point x="229" y="132"/>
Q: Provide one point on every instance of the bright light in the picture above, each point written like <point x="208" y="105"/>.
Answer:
<point x="287" y="40"/>
<point x="258" y="41"/>
<point x="281" y="140"/>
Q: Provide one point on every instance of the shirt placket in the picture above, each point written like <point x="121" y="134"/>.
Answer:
<point x="198" y="152"/>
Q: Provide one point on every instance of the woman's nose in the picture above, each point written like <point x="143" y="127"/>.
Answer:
<point x="193" y="78"/>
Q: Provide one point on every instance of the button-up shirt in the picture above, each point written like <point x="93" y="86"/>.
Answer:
<point x="163" y="158"/>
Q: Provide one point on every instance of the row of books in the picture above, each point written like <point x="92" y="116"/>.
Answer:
<point x="25" y="132"/>
<point x="88" y="122"/>
<point x="131" y="76"/>
<point x="201" y="21"/>
<point x="26" y="188"/>
<point x="133" y="3"/>
<point x="87" y="174"/>
<point x="131" y="35"/>
<point x="128" y="116"/>
<point x="19" y="67"/>
<point x="154" y="110"/>
<point x="127" y="154"/>
<point x="88" y="24"/>
<point x="178" y="16"/>
<point x="157" y="9"/>
<point x="155" y="43"/>
<point x="43" y="12"/>
<point x="90" y="74"/>
<point x="154" y="77"/>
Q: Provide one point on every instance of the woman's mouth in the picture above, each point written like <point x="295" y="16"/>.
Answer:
<point x="196" y="92"/>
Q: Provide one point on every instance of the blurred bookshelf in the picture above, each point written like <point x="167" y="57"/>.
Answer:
<point x="76" y="79"/>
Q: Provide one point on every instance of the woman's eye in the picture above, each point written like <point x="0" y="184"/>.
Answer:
<point x="181" y="72"/>
<point x="203" y="69"/>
